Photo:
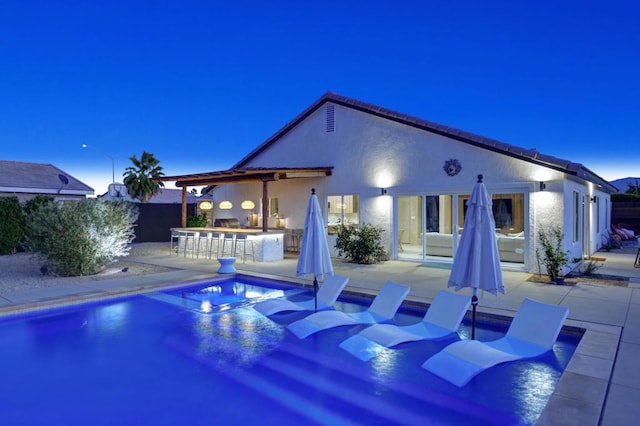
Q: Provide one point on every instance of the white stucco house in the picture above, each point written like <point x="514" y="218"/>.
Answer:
<point x="412" y="177"/>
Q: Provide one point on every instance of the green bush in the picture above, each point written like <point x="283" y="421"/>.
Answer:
<point x="11" y="224"/>
<point x="36" y="202"/>
<point x="553" y="256"/>
<point x="81" y="237"/>
<point x="360" y="244"/>
<point x="199" y="221"/>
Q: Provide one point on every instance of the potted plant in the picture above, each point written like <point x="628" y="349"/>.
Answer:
<point x="554" y="257"/>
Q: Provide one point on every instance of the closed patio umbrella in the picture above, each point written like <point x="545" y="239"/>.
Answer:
<point x="477" y="261"/>
<point x="314" y="251"/>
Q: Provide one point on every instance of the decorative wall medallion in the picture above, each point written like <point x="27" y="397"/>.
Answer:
<point x="452" y="167"/>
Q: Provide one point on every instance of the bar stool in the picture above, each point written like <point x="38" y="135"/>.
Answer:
<point x="203" y="245"/>
<point x="229" y="239"/>
<point x="287" y="239"/>
<point x="296" y="239"/>
<point x="244" y="240"/>
<point x="187" y="242"/>
<point x="216" y="238"/>
<point x="174" y="243"/>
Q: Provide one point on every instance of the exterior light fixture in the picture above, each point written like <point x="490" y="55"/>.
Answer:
<point x="594" y="199"/>
<point x="543" y="186"/>
<point x="383" y="191"/>
<point x="247" y="205"/>
<point x="205" y="205"/>
<point x="225" y="205"/>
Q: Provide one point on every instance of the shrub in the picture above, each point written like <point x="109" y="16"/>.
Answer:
<point x="81" y="237"/>
<point x="11" y="224"/>
<point x="360" y="244"/>
<point x="554" y="257"/>
<point x="36" y="202"/>
<point x="199" y="221"/>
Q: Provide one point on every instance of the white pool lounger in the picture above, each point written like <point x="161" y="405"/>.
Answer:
<point x="532" y="332"/>
<point x="327" y="296"/>
<point x="442" y="319"/>
<point x="383" y="308"/>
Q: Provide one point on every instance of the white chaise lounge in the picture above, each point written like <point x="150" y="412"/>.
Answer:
<point x="442" y="319"/>
<point x="532" y="332"/>
<point x="327" y="296"/>
<point x="383" y="308"/>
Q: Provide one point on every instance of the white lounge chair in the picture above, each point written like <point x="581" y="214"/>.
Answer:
<point x="532" y="332"/>
<point x="383" y="308"/>
<point x="327" y="296"/>
<point x="442" y="319"/>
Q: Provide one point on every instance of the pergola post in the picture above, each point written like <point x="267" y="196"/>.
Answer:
<point x="265" y="207"/>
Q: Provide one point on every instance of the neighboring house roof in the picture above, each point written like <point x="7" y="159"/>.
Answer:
<point x="118" y="191"/>
<point x="530" y="155"/>
<point x="38" y="178"/>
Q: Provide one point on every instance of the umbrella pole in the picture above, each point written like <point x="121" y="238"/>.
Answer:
<point x="315" y="292"/>
<point x="474" y="303"/>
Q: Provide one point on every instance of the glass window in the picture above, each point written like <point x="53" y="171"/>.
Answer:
<point x="508" y="213"/>
<point x="342" y="210"/>
<point x="274" y="209"/>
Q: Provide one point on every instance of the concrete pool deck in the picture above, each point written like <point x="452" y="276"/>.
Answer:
<point x="600" y="386"/>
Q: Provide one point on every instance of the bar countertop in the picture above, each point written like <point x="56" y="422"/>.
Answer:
<point x="249" y="231"/>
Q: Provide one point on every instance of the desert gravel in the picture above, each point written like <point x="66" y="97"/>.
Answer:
<point x="22" y="271"/>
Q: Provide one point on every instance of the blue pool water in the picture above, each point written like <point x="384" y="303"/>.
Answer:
<point x="203" y="356"/>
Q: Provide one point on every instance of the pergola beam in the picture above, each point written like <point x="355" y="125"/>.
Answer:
<point x="229" y="180"/>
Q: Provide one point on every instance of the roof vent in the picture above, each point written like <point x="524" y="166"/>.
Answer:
<point x="331" y="123"/>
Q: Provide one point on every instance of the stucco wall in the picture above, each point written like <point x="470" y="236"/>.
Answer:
<point x="370" y="152"/>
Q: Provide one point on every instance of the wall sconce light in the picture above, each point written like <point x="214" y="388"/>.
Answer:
<point x="247" y="205"/>
<point x="543" y="186"/>
<point x="205" y="205"/>
<point x="594" y="199"/>
<point x="225" y="205"/>
<point x="383" y="191"/>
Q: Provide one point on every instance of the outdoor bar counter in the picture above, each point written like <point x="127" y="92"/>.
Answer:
<point x="267" y="246"/>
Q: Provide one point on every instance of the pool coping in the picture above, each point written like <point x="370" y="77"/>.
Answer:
<point x="578" y="397"/>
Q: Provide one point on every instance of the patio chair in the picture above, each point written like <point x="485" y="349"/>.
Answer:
<point x="383" y="308"/>
<point x="442" y="320"/>
<point x="327" y="296"/>
<point x="532" y="333"/>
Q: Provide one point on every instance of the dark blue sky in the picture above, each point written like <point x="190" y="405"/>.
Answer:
<point x="201" y="83"/>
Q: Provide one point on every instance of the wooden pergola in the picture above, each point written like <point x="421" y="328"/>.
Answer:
<point x="243" y="175"/>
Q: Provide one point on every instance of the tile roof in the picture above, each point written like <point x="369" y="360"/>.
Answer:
<point x="530" y="155"/>
<point x="17" y="176"/>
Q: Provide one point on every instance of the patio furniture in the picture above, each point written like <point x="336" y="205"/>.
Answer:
<point x="243" y="240"/>
<point x="203" y="244"/>
<point x="228" y="243"/>
<point x="442" y="319"/>
<point x="327" y="296"/>
<point x="532" y="333"/>
<point x="226" y="265"/>
<point x="187" y="243"/>
<point x="383" y="308"/>
<point x="216" y="240"/>
<point x="174" y="242"/>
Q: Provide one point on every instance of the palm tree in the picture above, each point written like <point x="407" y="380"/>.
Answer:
<point x="633" y="188"/>
<point x="138" y="179"/>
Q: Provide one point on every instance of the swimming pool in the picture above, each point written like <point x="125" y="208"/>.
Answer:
<point x="202" y="355"/>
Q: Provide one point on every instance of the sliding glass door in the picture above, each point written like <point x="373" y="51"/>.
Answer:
<point x="426" y="226"/>
<point x="429" y="226"/>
